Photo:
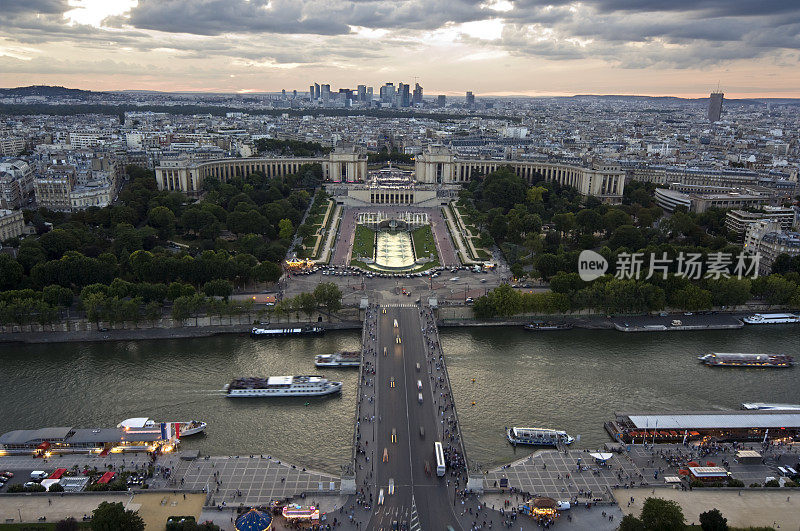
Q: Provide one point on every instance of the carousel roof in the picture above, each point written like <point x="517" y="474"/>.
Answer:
<point x="253" y="520"/>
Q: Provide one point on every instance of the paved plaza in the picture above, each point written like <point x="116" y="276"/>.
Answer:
<point x="256" y="480"/>
<point x="556" y="474"/>
<point x="344" y="239"/>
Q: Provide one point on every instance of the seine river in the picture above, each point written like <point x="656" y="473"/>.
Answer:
<point x="572" y="380"/>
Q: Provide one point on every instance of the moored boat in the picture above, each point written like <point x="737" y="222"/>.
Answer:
<point x="538" y="436"/>
<point x="294" y="331"/>
<point x="546" y="325"/>
<point x="186" y="428"/>
<point x="253" y="386"/>
<point x="738" y="359"/>
<point x="771" y="318"/>
<point x="767" y="406"/>
<point x="343" y="358"/>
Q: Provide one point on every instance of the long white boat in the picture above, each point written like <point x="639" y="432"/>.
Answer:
<point x="772" y="318"/>
<point x="768" y="406"/>
<point x="343" y="358"/>
<point x="294" y="331"/>
<point x="254" y="386"/>
<point x="538" y="436"/>
<point x="192" y="427"/>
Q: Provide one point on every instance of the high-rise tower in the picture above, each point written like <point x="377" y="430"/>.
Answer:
<point x="715" y="106"/>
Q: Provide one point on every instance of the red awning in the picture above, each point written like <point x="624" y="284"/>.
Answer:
<point x="105" y="478"/>
<point x="44" y="446"/>
<point x="58" y="473"/>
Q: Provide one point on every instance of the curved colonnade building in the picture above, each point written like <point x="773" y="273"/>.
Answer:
<point x="437" y="166"/>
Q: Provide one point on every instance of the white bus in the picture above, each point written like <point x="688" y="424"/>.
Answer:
<point x="440" y="466"/>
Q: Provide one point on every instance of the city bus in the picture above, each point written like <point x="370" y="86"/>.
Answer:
<point x="440" y="467"/>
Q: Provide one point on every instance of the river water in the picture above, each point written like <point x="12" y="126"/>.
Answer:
<point x="572" y="380"/>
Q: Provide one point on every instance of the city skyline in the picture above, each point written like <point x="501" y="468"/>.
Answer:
<point x="493" y="48"/>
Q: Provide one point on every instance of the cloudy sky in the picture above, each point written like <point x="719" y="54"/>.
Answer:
<point x="533" y="47"/>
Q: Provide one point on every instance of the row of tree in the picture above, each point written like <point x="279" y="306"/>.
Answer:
<point x="612" y="295"/>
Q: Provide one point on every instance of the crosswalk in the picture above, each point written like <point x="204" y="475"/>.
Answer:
<point x="414" y="524"/>
<point x="400" y="305"/>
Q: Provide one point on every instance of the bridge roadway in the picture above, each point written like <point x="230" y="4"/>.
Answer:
<point x="401" y="451"/>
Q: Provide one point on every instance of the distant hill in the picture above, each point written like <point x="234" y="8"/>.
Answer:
<point x="45" y="90"/>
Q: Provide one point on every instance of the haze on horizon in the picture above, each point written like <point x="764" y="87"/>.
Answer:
<point x="491" y="47"/>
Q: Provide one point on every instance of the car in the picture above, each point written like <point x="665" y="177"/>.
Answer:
<point x="395" y="324"/>
<point x="391" y="486"/>
<point x="469" y="300"/>
<point x="483" y="281"/>
<point x="384" y="351"/>
<point x="394" y="435"/>
<point x="7" y="474"/>
<point x="419" y="397"/>
<point x="395" y="525"/>
<point x="385" y="455"/>
<point x="391" y="382"/>
<point x="398" y="340"/>
<point x="417" y="366"/>
<point x="380" y="497"/>
<point x="687" y="313"/>
<point x="422" y="432"/>
<point x="455" y="279"/>
<point x="30" y="484"/>
<point x="38" y="475"/>
<point x="3" y="480"/>
<point x="419" y="385"/>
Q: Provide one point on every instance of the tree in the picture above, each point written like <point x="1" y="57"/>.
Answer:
<point x="631" y="523"/>
<point x="662" y="515"/>
<point x="70" y="524"/>
<point x="56" y="487"/>
<point x="218" y="288"/>
<point x="285" y="229"/>
<point x="713" y="521"/>
<point x="162" y="219"/>
<point x="307" y="303"/>
<point x="114" y="517"/>
<point x="329" y="295"/>
<point x="266" y="272"/>
<point x="10" y="272"/>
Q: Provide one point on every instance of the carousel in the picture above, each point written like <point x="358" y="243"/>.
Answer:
<point x="541" y="509"/>
<point x="254" y="520"/>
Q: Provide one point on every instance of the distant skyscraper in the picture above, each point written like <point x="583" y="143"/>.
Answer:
<point x="403" y="95"/>
<point x="317" y="92"/>
<point x="362" y="93"/>
<point x="441" y="100"/>
<point x="311" y="92"/>
<point x="715" y="106"/>
<point x="325" y="92"/>
<point x="417" y="98"/>
<point x="294" y="94"/>
<point x="470" y="99"/>
<point x="283" y="94"/>
<point x="387" y="93"/>
<point x="369" y="94"/>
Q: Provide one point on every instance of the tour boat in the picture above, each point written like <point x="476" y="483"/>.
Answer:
<point x="343" y="358"/>
<point x="294" y="331"/>
<point x="192" y="427"/>
<point x="772" y="318"/>
<point x="538" y="436"/>
<point x="253" y="386"/>
<point x="544" y="325"/>
<point x="736" y="359"/>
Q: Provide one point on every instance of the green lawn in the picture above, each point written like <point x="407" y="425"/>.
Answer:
<point x="364" y="242"/>
<point x="424" y="245"/>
